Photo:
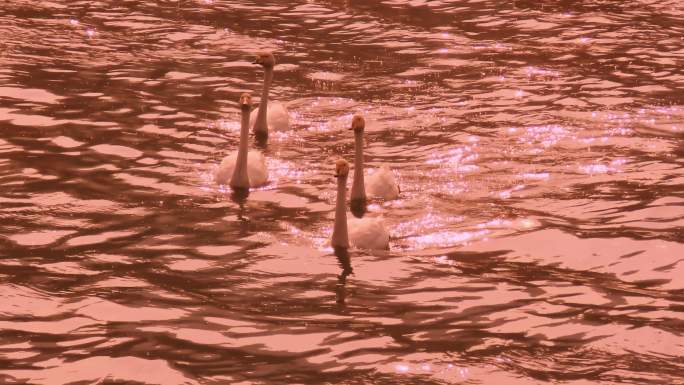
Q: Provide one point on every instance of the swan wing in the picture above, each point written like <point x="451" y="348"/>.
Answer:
<point x="226" y="168"/>
<point x="256" y="168"/>
<point x="368" y="233"/>
<point x="252" y="117"/>
<point x="382" y="184"/>
<point x="277" y="116"/>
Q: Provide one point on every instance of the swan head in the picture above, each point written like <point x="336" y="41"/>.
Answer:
<point x="265" y="59"/>
<point x="358" y="123"/>
<point x="341" y="168"/>
<point x="246" y="101"/>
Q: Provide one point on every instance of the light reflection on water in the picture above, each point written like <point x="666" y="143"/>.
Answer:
<point x="538" y="237"/>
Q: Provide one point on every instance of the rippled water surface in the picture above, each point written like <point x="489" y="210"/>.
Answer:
<point x="539" y="236"/>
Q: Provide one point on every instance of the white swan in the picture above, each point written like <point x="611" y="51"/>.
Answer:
<point x="271" y="115"/>
<point x="364" y="233"/>
<point x="381" y="183"/>
<point x="243" y="169"/>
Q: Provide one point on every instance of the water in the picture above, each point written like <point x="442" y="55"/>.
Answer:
<point x="538" y="239"/>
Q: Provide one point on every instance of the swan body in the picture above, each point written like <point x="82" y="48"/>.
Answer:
<point x="368" y="233"/>
<point x="256" y="168"/>
<point x="277" y="117"/>
<point x="274" y="116"/>
<point x="243" y="168"/>
<point x="364" y="233"/>
<point x="381" y="184"/>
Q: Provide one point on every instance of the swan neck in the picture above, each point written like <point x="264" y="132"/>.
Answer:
<point x="261" y="124"/>
<point x="240" y="178"/>
<point x="358" y="187"/>
<point x="340" y="237"/>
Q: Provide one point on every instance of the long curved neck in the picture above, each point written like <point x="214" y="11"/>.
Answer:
<point x="240" y="178"/>
<point x="340" y="237"/>
<point x="260" y="126"/>
<point x="358" y="187"/>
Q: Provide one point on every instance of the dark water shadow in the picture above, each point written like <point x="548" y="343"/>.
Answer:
<point x="239" y="196"/>
<point x="344" y="260"/>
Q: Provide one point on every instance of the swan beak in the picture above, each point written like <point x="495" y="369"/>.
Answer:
<point x="256" y="61"/>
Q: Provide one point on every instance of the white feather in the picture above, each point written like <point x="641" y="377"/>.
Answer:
<point x="368" y="233"/>
<point x="277" y="116"/>
<point x="382" y="184"/>
<point x="256" y="168"/>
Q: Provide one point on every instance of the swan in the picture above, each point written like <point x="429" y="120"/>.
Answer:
<point x="272" y="115"/>
<point x="364" y="233"/>
<point x="381" y="183"/>
<point x="243" y="169"/>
